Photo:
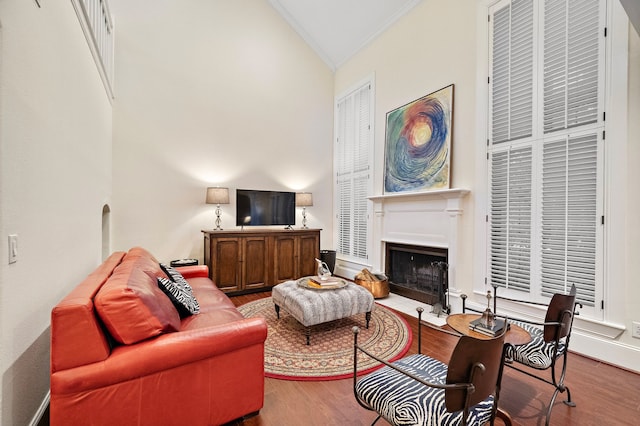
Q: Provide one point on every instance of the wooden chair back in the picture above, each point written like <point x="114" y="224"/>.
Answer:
<point x="478" y="362"/>
<point x="560" y="310"/>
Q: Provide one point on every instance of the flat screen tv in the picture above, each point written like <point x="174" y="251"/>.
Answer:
<point x="265" y="208"/>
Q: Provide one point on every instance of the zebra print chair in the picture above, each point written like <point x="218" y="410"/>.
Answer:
<point x="549" y="343"/>
<point x="420" y="390"/>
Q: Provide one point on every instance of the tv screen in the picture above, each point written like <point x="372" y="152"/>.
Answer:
<point x="256" y="208"/>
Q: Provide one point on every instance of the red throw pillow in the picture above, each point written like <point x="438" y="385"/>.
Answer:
<point x="132" y="306"/>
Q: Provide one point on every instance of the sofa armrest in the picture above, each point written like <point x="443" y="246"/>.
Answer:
<point x="165" y="352"/>
<point x="194" y="271"/>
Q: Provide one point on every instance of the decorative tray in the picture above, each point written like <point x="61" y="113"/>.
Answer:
<point x="313" y="283"/>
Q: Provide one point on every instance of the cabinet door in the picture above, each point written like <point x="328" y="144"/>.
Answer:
<point x="309" y="251"/>
<point x="285" y="254"/>
<point x="255" y="262"/>
<point x="225" y="263"/>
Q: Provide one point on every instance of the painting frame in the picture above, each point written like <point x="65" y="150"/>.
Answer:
<point x="418" y="143"/>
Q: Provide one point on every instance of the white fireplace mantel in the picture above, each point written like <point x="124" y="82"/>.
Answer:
<point x="429" y="219"/>
<point x="455" y="193"/>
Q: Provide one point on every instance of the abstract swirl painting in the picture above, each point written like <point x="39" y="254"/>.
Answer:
<point x="418" y="144"/>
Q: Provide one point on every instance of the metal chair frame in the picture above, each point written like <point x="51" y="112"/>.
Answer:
<point x="557" y="325"/>
<point x="468" y="387"/>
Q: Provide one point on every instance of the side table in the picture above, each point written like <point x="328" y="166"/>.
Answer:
<point x="516" y="335"/>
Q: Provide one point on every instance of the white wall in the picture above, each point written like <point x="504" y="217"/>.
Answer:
<point x="632" y="226"/>
<point x="213" y="94"/>
<point x="431" y="47"/>
<point x="435" y="45"/>
<point x="55" y="177"/>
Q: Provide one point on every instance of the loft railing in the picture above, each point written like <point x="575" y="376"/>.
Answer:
<point x="97" y="24"/>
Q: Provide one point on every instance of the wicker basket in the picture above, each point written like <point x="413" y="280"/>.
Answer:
<point x="378" y="289"/>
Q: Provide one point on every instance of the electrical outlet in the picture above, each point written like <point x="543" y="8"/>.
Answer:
<point x="635" y="329"/>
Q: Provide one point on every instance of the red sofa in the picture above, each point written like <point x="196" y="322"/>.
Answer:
<point x="122" y="355"/>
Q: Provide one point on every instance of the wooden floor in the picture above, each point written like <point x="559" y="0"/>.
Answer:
<point x="605" y="395"/>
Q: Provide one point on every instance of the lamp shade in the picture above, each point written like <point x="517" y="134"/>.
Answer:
<point x="304" y="199"/>
<point x="217" y="195"/>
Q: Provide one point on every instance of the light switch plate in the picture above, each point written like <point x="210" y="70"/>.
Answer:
<point x="13" y="248"/>
<point x="635" y="329"/>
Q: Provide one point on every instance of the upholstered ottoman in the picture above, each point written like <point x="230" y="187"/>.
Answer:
<point x="311" y="306"/>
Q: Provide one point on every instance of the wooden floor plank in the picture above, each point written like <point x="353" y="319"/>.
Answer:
<point x="604" y="394"/>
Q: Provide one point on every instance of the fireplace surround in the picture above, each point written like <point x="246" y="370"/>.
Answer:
<point x="427" y="222"/>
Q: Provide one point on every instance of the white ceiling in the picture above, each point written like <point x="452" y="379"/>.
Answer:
<point x="632" y="7"/>
<point x="337" y="29"/>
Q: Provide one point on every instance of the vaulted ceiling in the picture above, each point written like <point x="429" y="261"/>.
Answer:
<point x="632" y="7"/>
<point x="337" y="29"/>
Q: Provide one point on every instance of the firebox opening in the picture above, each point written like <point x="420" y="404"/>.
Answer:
<point x="419" y="273"/>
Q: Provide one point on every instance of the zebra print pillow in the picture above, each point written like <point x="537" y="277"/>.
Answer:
<point x="181" y="297"/>
<point x="179" y="291"/>
<point x="175" y="276"/>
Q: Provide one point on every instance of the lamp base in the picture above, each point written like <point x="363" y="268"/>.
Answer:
<point x="218" y="212"/>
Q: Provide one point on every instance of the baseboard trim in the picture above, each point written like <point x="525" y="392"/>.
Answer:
<point x="41" y="410"/>
<point x="610" y="352"/>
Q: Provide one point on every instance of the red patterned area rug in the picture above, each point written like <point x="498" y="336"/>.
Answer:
<point x="330" y="354"/>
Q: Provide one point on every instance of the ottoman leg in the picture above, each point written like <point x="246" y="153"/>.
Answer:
<point x="367" y="316"/>
<point x="277" y="311"/>
<point x="307" y="333"/>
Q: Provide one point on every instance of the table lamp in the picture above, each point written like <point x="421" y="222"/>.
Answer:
<point x="304" y="200"/>
<point x="218" y="196"/>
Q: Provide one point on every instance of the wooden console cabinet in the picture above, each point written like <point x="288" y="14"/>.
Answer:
<point x="256" y="260"/>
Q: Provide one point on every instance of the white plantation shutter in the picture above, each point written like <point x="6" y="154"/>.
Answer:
<point x="571" y="57"/>
<point x="545" y="194"/>
<point x="569" y="216"/>
<point x="97" y="24"/>
<point x="512" y="71"/>
<point x="510" y="224"/>
<point x="352" y="171"/>
<point x="343" y="179"/>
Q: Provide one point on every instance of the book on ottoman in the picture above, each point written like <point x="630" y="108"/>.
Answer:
<point x="325" y="283"/>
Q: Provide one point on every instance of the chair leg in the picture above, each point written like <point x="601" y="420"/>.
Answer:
<point x="568" y="401"/>
<point x="553" y="400"/>
<point x="559" y="388"/>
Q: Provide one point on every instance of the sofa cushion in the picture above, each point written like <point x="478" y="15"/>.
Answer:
<point x="77" y="336"/>
<point x="181" y="296"/>
<point x="132" y="306"/>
